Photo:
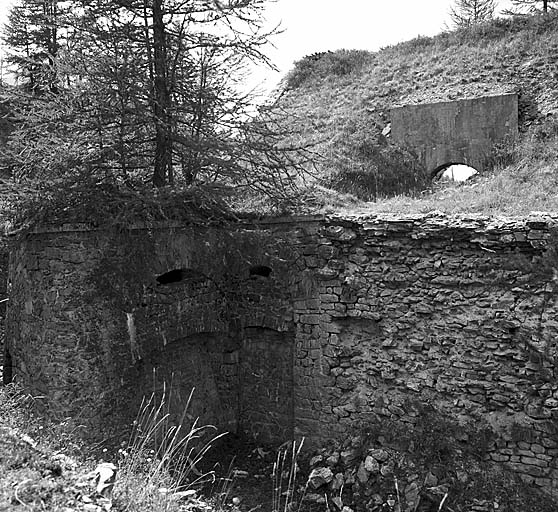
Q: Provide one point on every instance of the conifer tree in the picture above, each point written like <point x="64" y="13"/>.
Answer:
<point x="530" y="6"/>
<point x="32" y="37"/>
<point x="151" y="93"/>
<point x="465" y="13"/>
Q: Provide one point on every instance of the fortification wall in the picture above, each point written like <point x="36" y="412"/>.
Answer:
<point x="93" y="331"/>
<point x="458" y="132"/>
<point x="362" y="320"/>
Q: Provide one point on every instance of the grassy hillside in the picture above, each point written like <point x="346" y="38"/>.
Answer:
<point x="342" y="101"/>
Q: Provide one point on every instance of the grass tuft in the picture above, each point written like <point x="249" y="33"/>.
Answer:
<point x="284" y="476"/>
<point x="165" y="457"/>
<point x="45" y="466"/>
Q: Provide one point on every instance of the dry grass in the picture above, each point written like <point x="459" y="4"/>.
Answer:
<point x="165" y="458"/>
<point x="525" y="182"/>
<point x="45" y="467"/>
<point x="529" y="184"/>
<point x="35" y="475"/>
<point x="284" y="476"/>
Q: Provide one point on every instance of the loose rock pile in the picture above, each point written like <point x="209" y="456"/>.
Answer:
<point x="355" y="476"/>
<point x="375" y="476"/>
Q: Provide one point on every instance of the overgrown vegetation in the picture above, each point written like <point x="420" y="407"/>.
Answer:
<point x="45" y="466"/>
<point x="523" y="181"/>
<point x="344" y="99"/>
<point x="165" y="457"/>
<point x="371" y="170"/>
<point x="334" y="108"/>
<point x="144" y="93"/>
<point x="326" y="64"/>
<point x="113" y="204"/>
<point x="347" y="112"/>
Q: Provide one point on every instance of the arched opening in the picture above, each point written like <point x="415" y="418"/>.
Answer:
<point x="260" y="270"/>
<point x="453" y="172"/>
<point x="178" y="274"/>
<point x="199" y="371"/>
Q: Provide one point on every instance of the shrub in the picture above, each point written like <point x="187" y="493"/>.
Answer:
<point x="546" y="131"/>
<point x="324" y="64"/>
<point x="371" y="169"/>
<point x="503" y="154"/>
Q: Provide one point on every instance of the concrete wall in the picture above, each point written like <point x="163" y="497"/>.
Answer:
<point x="462" y="131"/>
<point x="362" y="320"/>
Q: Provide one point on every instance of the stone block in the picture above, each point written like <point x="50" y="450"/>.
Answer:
<point x="319" y="477"/>
<point x="498" y="457"/>
<point x="532" y="461"/>
<point x="379" y="455"/>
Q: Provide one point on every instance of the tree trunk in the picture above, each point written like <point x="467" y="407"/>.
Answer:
<point x="162" y="172"/>
<point x="52" y="17"/>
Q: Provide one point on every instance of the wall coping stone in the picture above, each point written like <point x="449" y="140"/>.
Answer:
<point x="503" y="91"/>
<point x="434" y="220"/>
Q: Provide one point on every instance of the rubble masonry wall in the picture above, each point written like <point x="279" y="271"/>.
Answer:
<point x="361" y="320"/>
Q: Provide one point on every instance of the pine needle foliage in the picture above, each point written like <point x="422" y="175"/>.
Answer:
<point x="465" y="13"/>
<point x="530" y="6"/>
<point x="117" y="205"/>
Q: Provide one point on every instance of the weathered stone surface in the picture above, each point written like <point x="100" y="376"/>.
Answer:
<point x="411" y="492"/>
<point x="316" y="460"/>
<point x="333" y="459"/>
<point x="462" y="131"/>
<point x="337" y="482"/>
<point x="371" y="464"/>
<point x="319" y="477"/>
<point x="315" y="498"/>
<point x="379" y="455"/>
<point x="398" y="311"/>
<point x="387" y="469"/>
<point x="430" y="480"/>
<point x="349" y="457"/>
<point x="362" y="474"/>
<point x="338" y="502"/>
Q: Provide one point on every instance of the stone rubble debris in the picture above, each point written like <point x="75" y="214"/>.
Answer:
<point x="319" y="477"/>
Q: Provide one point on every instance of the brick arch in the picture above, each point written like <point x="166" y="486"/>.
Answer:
<point x="203" y="365"/>
<point x="267" y="321"/>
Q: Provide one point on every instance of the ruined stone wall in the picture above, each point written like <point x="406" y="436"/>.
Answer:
<point x="458" y="132"/>
<point x="458" y="314"/>
<point x="93" y="331"/>
<point x="361" y="321"/>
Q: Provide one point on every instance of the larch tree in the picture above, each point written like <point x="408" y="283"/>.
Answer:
<point x="32" y="36"/>
<point x="153" y="91"/>
<point x="465" y="13"/>
<point x="530" y="6"/>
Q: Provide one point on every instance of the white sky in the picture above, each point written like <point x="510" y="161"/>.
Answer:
<point x="320" y="25"/>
